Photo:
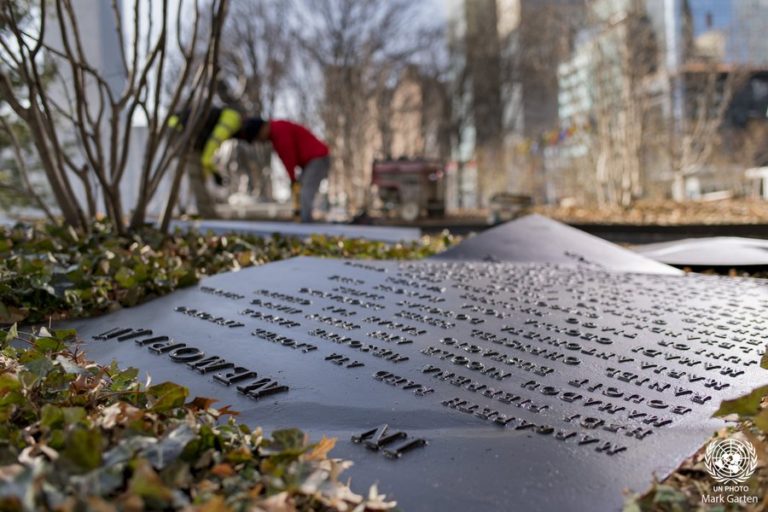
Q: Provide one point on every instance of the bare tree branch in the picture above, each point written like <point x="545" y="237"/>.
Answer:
<point x="24" y="171"/>
<point x="95" y="119"/>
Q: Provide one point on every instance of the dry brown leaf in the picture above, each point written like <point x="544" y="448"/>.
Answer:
<point x="131" y="503"/>
<point x="321" y="449"/>
<point x="98" y="504"/>
<point x="761" y="447"/>
<point x="119" y="414"/>
<point x="227" y="411"/>
<point x="207" y="486"/>
<point x="255" y="491"/>
<point x="223" y="470"/>
<point x="201" y="403"/>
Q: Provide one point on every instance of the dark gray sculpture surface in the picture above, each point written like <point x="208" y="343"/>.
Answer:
<point x="263" y="228"/>
<point x="538" y="239"/>
<point x="709" y="252"/>
<point x="503" y="386"/>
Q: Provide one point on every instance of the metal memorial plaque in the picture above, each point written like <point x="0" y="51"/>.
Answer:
<point x="462" y="386"/>
<point x="728" y="252"/>
<point x="538" y="239"/>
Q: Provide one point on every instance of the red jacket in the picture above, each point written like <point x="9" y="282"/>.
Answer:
<point x="295" y="145"/>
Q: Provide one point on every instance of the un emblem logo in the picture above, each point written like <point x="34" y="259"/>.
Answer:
<point x="730" y="460"/>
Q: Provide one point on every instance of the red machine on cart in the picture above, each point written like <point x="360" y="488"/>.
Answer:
<point x="410" y="188"/>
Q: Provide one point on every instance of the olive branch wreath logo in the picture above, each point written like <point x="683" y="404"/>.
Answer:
<point x="717" y="453"/>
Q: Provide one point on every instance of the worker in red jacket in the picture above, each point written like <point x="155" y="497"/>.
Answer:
<point x="297" y="147"/>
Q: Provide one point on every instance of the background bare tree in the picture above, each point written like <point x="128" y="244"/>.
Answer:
<point x="637" y="140"/>
<point x="16" y="169"/>
<point x="626" y="54"/>
<point x="97" y="118"/>
<point x="358" y="48"/>
<point x="257" y="57"/>
<point x="16" y="164"/>
<point x="697" y="142"/>
<point x="256" y="54"/>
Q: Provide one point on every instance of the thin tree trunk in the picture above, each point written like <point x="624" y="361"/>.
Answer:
<point x="173" y="196"/>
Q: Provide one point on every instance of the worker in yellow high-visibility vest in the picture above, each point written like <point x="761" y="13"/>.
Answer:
<point x="220" y="124"/>
<point x="294" y="144"/>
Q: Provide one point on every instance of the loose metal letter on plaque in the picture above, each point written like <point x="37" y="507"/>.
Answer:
<point x="463" y="386"/>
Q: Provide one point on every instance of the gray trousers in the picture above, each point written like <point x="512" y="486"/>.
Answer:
<point x="205" y="203"/>
<point x="312" y="174"/>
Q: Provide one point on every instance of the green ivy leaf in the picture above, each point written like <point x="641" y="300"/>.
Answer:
<point x="291" y="440"/>
<point x="11" y="396"/>
<point x="148" y="484"/>
<point x="125" y="277"/>
<point x="68" y="366"/>
<point x="12" y="333"/>
<point x="48" y="345"/>
<point x="747" y="405"/>
<point x="83" y="448"/>
<point x="669" y="496"/>
<point x="187" y="278"/>
<point x="73" y="415"/>
<point x="57" y="440"/>
<point x="39" y="367"/>
<point x="64" y="334"/>
<point x="124" y="380"/>
<point x="169" y="449"/>
<point x="8" y="383"/>
<point x="51" y="416"/>
<point x="167" y="395"/>
<point x="42" y="282"/>
<point x="141" y="272"/>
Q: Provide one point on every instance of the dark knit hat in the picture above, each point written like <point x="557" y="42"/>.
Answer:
<point x="250" y="129"/>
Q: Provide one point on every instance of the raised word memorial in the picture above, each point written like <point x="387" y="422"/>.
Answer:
<point x="463" y="385"/>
